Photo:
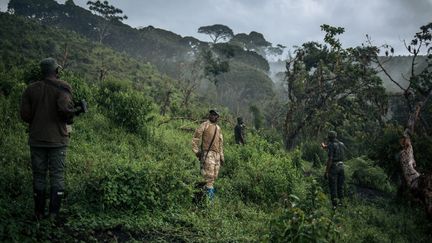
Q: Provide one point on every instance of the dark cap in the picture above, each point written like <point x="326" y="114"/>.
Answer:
<point x="214" y="112"/>
<point x="239" y="120"/>
<point x="332" y="135"/>
<point x="49" y="65"/>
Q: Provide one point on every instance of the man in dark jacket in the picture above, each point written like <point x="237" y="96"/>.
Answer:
<point x="335" y="168"/>
<point x="47" y="107"/>
<point x="239" y="132"/>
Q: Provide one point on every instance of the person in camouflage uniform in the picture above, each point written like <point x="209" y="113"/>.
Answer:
<point x="239" y="132"/>
<point x="335" y="168"/>
<point x="207" y="144"/>
<point x="47" y="107"/>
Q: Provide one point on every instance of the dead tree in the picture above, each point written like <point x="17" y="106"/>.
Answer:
<point x="417" y="93"/>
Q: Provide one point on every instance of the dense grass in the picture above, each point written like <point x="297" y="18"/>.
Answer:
<point x="123" y="186"/>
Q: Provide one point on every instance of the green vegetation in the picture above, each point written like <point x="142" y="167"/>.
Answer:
<point x="163" y="49"/>
<point x="131" y="174"/>
<point x="124" y="186"/>
<point x="217" y="32"/>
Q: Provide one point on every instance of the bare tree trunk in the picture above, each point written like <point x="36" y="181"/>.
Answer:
<point x="408" y="164"/>
<point x="419" y="184"/>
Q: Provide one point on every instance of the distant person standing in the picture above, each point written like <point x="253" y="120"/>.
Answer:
<point x="47" y="107"/>
<point x="207" y="144"/>
<point x="335" y="168"/>
<point x="239" y="132"/>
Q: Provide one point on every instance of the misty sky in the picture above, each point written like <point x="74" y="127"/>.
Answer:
<point x="287" y="22"/>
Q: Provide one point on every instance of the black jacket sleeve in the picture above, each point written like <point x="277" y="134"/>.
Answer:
<point x="25" y="108"/>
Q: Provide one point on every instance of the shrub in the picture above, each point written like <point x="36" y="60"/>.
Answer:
<point x="82" y="90"/>
<point x="146" y="187"/>
<point x="366" y="174"/>
<point x="128" y="108"/>
<point x="263" y="183"/>
<point x="387" y="148"/>
<point x="305" y="221"/>
<point x="312" y="152"/>
<point x="294" y="225"/>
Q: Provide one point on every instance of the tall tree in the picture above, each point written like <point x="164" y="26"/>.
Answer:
<point x="253" y="41"/>
<point x="328" y="85"/>
<point x="417" y="95"/>
<point x="109" y="15"/>
<point x="217" y="32"/>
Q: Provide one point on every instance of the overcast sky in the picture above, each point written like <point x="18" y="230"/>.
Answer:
<point x="287" y="22"/>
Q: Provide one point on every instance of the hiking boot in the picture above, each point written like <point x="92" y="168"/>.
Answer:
<point x="55" y="203"/>
<point x="211" y="194"/>
<point x="39" y="204"/>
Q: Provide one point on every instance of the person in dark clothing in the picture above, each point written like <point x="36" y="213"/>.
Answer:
<point x="335" y="168"/>
<point x="47" y="107"/>
<point x="239" y="132"/>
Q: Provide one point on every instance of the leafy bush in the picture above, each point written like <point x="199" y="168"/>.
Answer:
<point x="366" y="174"/>
<point x="297" y="226"/>
<point x="262" y="183"/>
<point x="386" y="149"/>
<point x="305" y="221"/>
<point x="148" y="187"/>
<point x="82" y="90"/>
<point x="128" y="108"/>
<point x="312" y="152"/>
<point x="258" y="173"/>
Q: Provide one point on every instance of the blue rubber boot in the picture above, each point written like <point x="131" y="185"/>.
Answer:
<point x="211" y="194"/>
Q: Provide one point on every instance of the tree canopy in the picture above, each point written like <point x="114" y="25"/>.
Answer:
<point x="217" y="32"/>
<point x="109" y="13"/>
<point x="252" y="41"/>
<point x="106" y="11"/>
<point x="329" y="85"/>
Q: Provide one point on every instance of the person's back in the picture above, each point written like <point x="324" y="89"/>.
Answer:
<point x="335" y="168"/>
<point x="337" y="149"/>
<point x="45" y="105"/>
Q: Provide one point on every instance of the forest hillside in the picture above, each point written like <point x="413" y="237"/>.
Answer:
<point x="131" y="174"/>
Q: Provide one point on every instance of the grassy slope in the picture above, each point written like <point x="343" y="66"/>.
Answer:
<point x="100" y="150"/>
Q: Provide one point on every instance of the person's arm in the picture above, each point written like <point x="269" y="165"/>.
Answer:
<point x="65" y="106"/>
<point x="196" y="140"/>
<point x="327" y="171"/>
<point x="221" y="149"/>
<point x="25" y="108"/>
<point x="329" y="160"/>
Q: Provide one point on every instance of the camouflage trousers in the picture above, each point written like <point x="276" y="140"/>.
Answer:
<point x="336" y="179"/>
<point x="50" y="160"/>
<point x="210" y="167"/>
